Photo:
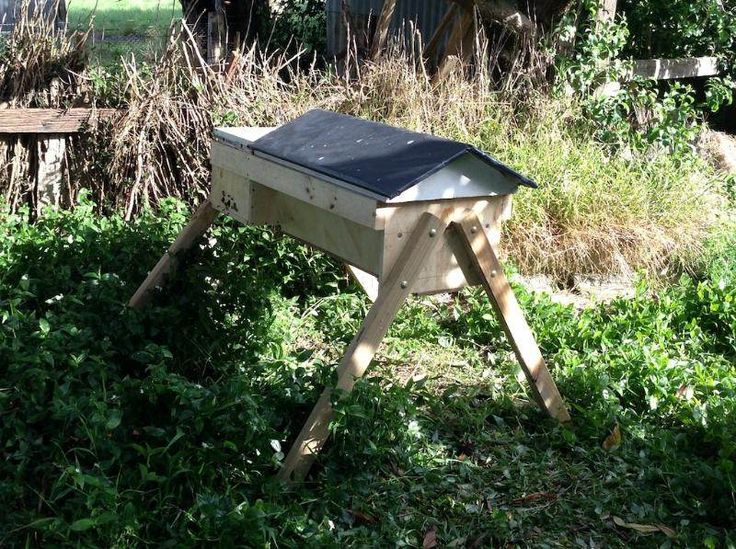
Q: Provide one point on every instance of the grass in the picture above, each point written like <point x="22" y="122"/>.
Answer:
<point x="124" y="27"/>
<point x="124" y="17"/>
<point x="167" y="426"/>
<point x="595" y="212"/>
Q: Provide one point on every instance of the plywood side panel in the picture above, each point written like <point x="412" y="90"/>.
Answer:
<point x="324" y="195"/>
<point x="231" y="194"/>
<point x="351" y="242"/>
<point x="443" y="271"/>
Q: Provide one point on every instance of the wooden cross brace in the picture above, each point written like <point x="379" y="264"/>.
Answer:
<point x="393" y="291"/>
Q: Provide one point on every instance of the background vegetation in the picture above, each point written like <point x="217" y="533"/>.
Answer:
<point x="166" y="426"/>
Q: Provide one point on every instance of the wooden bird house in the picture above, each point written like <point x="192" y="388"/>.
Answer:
<point x="408" y="212"/>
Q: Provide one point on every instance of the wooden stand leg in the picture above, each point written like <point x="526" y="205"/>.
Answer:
<point x="198" y="224"/>
<point x="425" y="238"/>
<point x="520" y="336"/>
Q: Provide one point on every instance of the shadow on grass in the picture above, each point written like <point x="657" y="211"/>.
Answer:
<point x="168" y="424"/>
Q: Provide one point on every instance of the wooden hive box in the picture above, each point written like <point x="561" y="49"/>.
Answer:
<point x="411" y="212"/>
<point x="356" y="189"/>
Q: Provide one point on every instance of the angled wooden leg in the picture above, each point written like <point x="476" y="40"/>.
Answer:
<point x="484" y="260"/>
<point x="198" y="224"/>
<point x="425" y="238"/>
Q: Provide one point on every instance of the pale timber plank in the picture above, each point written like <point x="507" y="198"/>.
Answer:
<point x="443" y="271"/>
<point x="667" y="69"/>
<point x="310" y="189"/>
<point x="606" y="11"/>
<point x="198" y="224"/>
<point x="512" y="319"/>
<point x="392" y="293"/>
<point x="50" y="153"/>
<point x="367" y="281"/>
<point x="57" y="121"/>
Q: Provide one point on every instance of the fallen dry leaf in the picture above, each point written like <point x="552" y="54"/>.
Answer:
<point x="430" y="538"/>
<point x="361" y="517"/>
<point x="645" y="528"/>
<point x="685" y="392"/>
<point x="533" y="497"/>
<point x="613" y="440"/>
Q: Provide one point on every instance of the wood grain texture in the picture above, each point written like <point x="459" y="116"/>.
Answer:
<point x="382" y="28"/>
<point x="392" y="294"/>
<point x="667" y="69"/>
<point x="313" y="190"/>
<point x="512" y="319"/>
<point x="442" y="271"/>
<point x="60" y="121"/>
<point x="198" y="224"/>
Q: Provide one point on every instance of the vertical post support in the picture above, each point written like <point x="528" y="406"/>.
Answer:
<point x="606" y="11"/>
<point x="424" y="239"/>
<point x="198" y="224"/>
<point x="215" y="33"/>
<point x="490" y="271"/>
<point x="459" y="44"/>
<point x="50" y="169"/>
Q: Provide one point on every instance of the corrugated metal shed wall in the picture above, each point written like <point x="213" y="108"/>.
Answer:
<point x="7" y="14"/>
<point x="8" y="10"/>
<point x="424" y="14"/>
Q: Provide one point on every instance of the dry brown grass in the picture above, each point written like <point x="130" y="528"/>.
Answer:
<point x="40" y="64"/>
<point x="593" y="213"/>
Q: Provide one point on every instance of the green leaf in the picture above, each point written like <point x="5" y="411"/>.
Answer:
<point x="114" y="420"/>
<point x="83" y="524"/>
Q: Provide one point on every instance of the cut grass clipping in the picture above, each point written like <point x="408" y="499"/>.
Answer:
<point x="167" y="426"/>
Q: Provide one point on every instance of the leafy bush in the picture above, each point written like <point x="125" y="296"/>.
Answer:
<point x="300" y="23"/>
<point x="645" y="113"/>
<point x="166" y="426"/>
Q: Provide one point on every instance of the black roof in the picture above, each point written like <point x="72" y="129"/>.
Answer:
<point x="373" y="156"/>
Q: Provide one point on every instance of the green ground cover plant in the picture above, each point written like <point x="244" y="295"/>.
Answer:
<point x="166" y="426"/>
<point x="124" y="17"/>
<point x="122" y="28"/>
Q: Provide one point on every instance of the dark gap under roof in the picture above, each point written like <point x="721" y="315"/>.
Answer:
<point x="373" y="156"/>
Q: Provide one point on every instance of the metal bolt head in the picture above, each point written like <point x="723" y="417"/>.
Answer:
<point x="404" y="284"/>
<point x="493" y="273"/>
<point x="473" y="229"/>
<point x="432" y="233"/>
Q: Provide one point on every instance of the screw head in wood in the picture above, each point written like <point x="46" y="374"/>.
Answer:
<point x="473" y="229"/>
<point x="404" y="284"/>
<point x="493" y="273"/>
<point x="432" y="233"/>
